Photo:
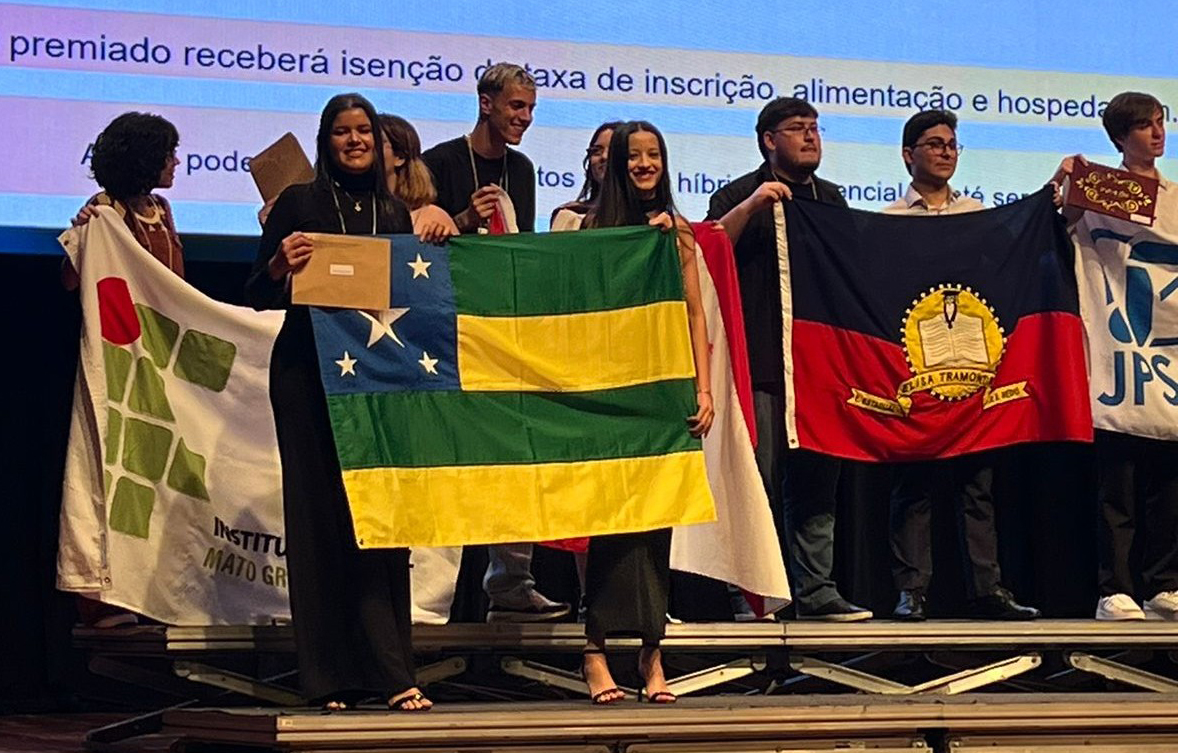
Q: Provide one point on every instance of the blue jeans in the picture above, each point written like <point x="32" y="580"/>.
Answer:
<point x="508" y="581"/>
<point x="801" y="486"/>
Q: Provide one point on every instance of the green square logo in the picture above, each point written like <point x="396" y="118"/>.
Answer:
<point x="205" y="359"/>
<point x="159" y="333"/>
<point x="130" y="511"/>
<point x="118" y="367"/>
<point x="145" y="448"/>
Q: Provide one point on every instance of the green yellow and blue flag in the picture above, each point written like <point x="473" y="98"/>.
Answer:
<point x="520" y="388"/>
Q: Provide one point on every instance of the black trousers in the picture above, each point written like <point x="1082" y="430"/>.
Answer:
<point x="350" y="608"/>
<point x="968" y="480"/>
<point x="1137" y="527"/>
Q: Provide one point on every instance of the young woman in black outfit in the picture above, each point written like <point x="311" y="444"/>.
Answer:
<point x="350" y="607"/>
<point x="627" y="576"/>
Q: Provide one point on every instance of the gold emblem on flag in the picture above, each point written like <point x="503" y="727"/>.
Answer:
<point x="954" y="344"/>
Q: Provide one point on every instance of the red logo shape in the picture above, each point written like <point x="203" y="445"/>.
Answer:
<point x="116" y="311"/>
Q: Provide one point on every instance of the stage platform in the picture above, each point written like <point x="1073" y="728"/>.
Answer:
<point x="707" y="636"/>
<point x="537" y="662"/>
<point x="719" y="724"/>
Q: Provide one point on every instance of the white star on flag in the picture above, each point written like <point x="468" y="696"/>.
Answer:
<point x="347" y="365"/>
<point x="382" y="325"/>
<point x="420" y="267"/>
<point x="429" y="364"/>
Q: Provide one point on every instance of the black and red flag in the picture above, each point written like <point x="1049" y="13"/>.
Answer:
<point x="916" y="337"/>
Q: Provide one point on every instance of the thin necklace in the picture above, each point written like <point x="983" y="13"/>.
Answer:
<point x="351" y="198"/>
<point x="475" y="173"/>
<point x="342" y="227"/>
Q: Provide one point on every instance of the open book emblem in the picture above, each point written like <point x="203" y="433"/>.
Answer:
<point x="950" y="329"/>
<point x="953" y="344"/>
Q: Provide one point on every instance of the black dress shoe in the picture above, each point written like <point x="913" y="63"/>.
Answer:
<point x="1000" y="605"/>
<point x="837" y="609"/>
<point x="910" y="607"/>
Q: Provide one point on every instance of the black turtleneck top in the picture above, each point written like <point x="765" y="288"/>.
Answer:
<point x="311" y="208"/>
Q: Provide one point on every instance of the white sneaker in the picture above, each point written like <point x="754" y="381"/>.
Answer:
<point x="1118" y="607"/>
<point x="1164" y="606"/>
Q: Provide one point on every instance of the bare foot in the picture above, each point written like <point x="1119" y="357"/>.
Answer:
<point x="602" y="688"/>
<point x="410" y="700"/>
<point x="650" y="667"/>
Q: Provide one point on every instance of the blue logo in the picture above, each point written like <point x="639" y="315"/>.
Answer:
<point x="1133" y="323"/>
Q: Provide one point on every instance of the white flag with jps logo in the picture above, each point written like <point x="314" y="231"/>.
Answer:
<point x="1128" y="275"/>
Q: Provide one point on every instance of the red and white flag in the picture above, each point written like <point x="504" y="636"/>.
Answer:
<point x="741" y="547"/>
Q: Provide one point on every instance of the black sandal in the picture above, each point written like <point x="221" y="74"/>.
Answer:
<point x="659" y="697"/>
<point x="600" y="699"/>
<point x="401" y="704"/>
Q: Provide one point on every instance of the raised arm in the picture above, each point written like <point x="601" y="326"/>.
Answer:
<point x="766" y="195"/>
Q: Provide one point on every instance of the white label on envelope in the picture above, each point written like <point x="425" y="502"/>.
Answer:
<point x="341" y="270"/>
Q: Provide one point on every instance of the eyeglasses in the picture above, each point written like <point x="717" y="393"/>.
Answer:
<point x="940" y="145"/>
<point x="595" y="151"/>
<point x="801" y="130"/>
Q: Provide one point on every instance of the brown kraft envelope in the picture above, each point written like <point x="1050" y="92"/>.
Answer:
<point x="345" y="271"/>
<point x="1117" y="193"/>
<point x="279" y="165"/>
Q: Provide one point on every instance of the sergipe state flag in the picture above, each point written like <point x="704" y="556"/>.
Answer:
<point x="522" y="388"/>
<point x="908" y="338"/>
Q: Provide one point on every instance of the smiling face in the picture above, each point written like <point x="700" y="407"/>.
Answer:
<point x="509" y="113"/>
<point x="352" y="145"/>
<point x="933" y="158"/>
<point x="1145" y="141"/>
<point x="645" y="162"/>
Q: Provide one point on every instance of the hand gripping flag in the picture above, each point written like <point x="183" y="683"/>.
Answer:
<point x="741" y="546"/>
<point x="909" y="338"/>
<point x="172" y="500"/>
<point x="522" y="388"/>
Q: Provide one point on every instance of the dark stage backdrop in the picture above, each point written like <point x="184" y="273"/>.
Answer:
<point x="1045" y="507"/>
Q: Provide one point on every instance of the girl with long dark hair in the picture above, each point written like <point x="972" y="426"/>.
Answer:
<point x="628" y="575"/>
<point x="350" y="607"/>
<point x="568" y="216"/>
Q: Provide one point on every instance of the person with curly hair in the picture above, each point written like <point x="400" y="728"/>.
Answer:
<point x="134" y="155"/>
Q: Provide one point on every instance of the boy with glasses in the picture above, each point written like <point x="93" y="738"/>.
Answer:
<point x="930" y="151"/>
<point x="801" y="484"/>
